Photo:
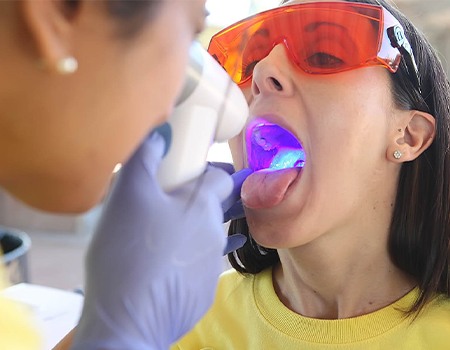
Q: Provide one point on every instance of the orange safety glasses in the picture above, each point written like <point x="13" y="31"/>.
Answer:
<point x="319" y="37"/>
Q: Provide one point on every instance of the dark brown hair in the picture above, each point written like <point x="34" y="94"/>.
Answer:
<point x="419" y="240"/>
<point x="131" y="15"/>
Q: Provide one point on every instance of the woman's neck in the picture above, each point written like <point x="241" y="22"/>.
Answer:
<point x="329" y="281"/>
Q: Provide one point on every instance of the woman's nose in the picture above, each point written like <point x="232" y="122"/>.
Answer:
<point x="273" y="74"/>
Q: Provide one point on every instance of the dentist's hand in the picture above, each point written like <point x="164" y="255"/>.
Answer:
<point x="232" y="206"/>
<point x="153" y="264"/>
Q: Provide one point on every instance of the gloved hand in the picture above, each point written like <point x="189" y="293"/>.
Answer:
<point x="154" y="261"/>
<point x="232" y="206"/>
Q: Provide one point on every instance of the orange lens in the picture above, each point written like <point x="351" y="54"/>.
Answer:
<point x="320" y="38"/>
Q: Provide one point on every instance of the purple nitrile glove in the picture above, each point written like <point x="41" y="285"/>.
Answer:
<point x="232" y="206"/>
<point x="155" y="258"/>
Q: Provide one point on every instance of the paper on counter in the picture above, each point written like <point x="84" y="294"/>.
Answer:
<point x="57" y="311"/>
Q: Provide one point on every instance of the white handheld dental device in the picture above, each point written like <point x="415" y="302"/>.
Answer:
<point x="211" y="108"/>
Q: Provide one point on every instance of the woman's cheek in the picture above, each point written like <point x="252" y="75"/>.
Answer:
<point x="236" y="145"/>
<point x="247" y="91"/>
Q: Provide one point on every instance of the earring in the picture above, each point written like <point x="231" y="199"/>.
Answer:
<point x="67" y="65"/>
<point x="397" y="154"/>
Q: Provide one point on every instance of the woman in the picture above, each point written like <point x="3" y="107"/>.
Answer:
<point x="352" y="249"/>
<point x="83" y="84"/>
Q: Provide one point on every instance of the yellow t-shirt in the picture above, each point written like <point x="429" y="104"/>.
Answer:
<point x="16" y="329"/>
<point x="248" y="315"/>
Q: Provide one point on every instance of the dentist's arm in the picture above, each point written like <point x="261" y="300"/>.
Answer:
<point x="155" y="258"/>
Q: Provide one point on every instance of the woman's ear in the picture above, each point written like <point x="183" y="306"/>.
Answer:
<point x="414" y="138"/>
<point x="50" y="27"/>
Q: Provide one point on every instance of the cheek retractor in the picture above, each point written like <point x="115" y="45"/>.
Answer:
<point x="270" y="146"/>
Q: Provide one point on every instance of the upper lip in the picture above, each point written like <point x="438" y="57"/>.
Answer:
<point x="275" y="119"/>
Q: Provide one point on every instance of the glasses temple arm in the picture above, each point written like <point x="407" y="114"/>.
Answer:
<point x="398" y="40"/>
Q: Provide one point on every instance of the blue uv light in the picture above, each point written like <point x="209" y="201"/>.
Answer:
<point x="270" y="146"/>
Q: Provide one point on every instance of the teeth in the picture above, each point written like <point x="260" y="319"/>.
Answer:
<point x="288" y="158"/>
<point x="261" y="141"/>
<point x="270" y="146"/>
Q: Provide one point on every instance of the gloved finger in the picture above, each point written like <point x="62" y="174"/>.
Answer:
<point x="217" y="181"/>
<point x="228" y="167"/>
<point x="142" y="163"/>
<point x="151" y="152"/>
<point x="238" y="179"/>
<point x="234" y="242"/>
<point x="235" y="212"/>
<point x="165" y="130"/>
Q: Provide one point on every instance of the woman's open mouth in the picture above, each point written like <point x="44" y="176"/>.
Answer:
<point x="277" y="157"/>
<point x="270" y="146"/>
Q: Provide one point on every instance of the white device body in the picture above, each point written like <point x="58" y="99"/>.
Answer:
<point x="210" y="109"/>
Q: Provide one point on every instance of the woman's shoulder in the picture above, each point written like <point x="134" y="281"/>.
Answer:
<point x="232" y="282"/>
<point x="226" y="324"/>
<point x="437" y="311"/>
<point x="434" y="318"/>
<point x="432" y="324"/>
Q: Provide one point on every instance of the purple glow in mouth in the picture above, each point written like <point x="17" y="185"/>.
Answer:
<point x="269" y="146"/>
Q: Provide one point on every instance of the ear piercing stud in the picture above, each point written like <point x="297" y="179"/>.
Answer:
<point x="397" y="154"/>
<point x="67" y="65"/>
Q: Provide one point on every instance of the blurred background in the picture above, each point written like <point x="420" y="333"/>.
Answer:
<point x="58" y="242"/>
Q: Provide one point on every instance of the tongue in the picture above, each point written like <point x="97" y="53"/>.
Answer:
<point x="267" y="188"/>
